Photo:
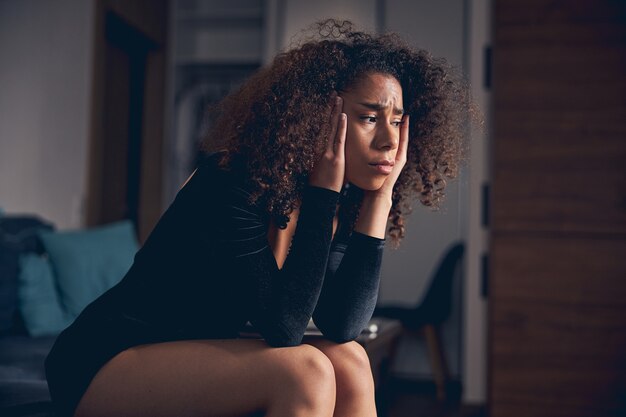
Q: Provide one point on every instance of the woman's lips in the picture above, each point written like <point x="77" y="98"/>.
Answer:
<point x="382" y="169"/>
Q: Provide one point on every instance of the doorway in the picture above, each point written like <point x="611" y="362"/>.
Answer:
<point x="127" y="112"/>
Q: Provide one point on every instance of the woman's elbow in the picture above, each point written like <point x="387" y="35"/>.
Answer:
<point x="340" y="333"/>
<point x="282" y="341"/>
<point x="279" y="336"/>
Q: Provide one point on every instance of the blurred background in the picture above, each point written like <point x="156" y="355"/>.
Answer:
<point x="102" y="106"/>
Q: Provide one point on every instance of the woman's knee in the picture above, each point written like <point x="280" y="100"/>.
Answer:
<point x="316" y="361"/>
<point x="353" y="356"/>
<point x="308" y="364"/>
<point x="352" y="368"/>
<point x="307" y="376"/>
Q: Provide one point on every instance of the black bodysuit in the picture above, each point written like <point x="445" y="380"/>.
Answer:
<point x="207" y="269"/>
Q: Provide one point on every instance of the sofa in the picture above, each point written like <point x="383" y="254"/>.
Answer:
<point x="47" y="277"/>
<point x="23" y="386"/>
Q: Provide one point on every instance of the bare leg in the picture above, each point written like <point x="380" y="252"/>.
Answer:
<point x="353" y="375"/>
<point x="212" y="378"/>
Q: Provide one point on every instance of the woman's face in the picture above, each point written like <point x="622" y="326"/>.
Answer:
<point x="374" y="108"/>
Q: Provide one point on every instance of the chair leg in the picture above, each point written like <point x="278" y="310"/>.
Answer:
<point x="437" y="359"/>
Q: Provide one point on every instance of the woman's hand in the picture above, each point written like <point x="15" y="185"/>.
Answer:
<point x="386" y="190"/>
<point x="329" y="170"/>
<point x="376" y="204"/>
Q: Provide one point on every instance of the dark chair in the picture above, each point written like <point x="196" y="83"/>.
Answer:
<point x="429" y="314"/>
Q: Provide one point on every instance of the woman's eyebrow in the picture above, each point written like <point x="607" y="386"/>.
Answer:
<point x="379" y="107"/>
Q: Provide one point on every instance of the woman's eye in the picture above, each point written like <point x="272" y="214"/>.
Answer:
<point x="369" y="119"/>
<point x="397" y="123"/>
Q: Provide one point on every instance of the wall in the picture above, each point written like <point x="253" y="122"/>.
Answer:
<point x="214" y="46"/>
<point x="299" y="15"/>
<point x="45" y="74"/>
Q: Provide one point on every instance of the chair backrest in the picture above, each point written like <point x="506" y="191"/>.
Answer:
<point x="437" y="302"/>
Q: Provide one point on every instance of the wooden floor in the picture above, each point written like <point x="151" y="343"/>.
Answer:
<point x="417" y="399"/>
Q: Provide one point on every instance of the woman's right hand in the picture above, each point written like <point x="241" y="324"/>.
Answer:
<point x="329" y="170"/>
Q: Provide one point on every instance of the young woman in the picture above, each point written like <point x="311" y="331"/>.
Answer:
<point x="284" y="219"/>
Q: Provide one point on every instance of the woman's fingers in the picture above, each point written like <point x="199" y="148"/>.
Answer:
<point x="334" y="120"/>
<point x="404" y="139"/>
<point x="339" y="140"/>
<point x="329" y="170"/>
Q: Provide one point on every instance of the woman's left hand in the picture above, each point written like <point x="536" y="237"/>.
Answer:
<point x="386" y="190"/>
<point x="376" y="204"/>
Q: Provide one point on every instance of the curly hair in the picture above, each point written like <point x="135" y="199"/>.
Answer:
<point x="271" y="124"/>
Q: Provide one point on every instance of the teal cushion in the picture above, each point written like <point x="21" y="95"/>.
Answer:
<point x="89" y="262"/>
<point x="38" y="299"/>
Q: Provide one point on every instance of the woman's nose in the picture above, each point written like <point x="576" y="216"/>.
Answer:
<point x="388" y="137"/>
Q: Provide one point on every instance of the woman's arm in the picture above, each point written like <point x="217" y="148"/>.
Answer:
<point x="285" y="298"/>
<point x="373" y="215"/>
<point x="347" y="320"/>
<point x="351" y="285"/>
<point x="349" y="295"/>
<point x="350" y="288"/>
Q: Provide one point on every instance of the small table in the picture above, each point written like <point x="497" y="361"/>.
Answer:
<point x="381" y="347"/>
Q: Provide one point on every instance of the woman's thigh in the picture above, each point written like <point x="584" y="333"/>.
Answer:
<point x="195" y="378"/>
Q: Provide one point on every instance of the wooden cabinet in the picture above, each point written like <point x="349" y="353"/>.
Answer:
<point x="557" y="296"/>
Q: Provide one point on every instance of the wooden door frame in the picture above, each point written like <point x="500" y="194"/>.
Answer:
<point x="150" y="18"/>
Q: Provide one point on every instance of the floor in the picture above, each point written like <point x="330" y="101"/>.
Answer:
<point x="407" y="398"/>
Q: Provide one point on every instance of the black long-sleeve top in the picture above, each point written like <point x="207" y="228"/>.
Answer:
<point x="207" y="268"/>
